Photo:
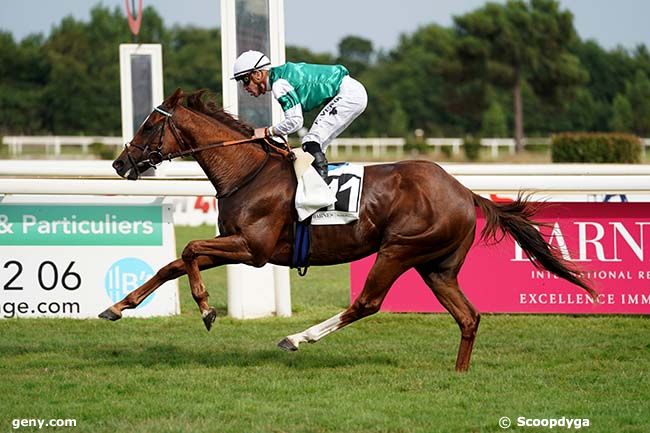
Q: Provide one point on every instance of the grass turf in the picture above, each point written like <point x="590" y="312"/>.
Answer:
<point x="388" y="373"/>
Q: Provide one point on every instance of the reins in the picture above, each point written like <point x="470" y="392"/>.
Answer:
<point x="155" y="157"/>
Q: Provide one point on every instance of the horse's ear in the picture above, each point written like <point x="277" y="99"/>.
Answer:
<point x="173" y="100"/>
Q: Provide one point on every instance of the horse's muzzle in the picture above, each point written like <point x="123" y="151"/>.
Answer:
<point x="125" y="170"/>
<point x="118" y="166"/>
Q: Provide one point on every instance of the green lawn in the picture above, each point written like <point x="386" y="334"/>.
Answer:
<point x="388" y="373"/>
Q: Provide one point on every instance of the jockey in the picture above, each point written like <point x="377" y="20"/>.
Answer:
<point x="301" y="87"/>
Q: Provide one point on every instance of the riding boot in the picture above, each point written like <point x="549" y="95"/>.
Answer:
<point x="320" y="162"/>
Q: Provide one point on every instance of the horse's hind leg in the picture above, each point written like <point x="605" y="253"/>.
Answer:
<point x="445" y="287"/>
<point x="168" y="272"/>
<point x="383" y="274"/>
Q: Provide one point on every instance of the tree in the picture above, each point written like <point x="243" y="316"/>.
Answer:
<point x="83" y="87"/>
<point x="608" y="70"/>
<point x="583" y="112"/>
<point x="638" y="93"/>
<point x="641" y="57"/>
<point x="398" y="121"/>
<point x="300" y="54"/>
<point x="193" y="60"/>
<point x="622" y="117"/>
<point x="411" y="74"/>
<point x="23" y="73"/>
<point x="355" y="53"/>
<point x="449" y="81"/>
<point x="508" y="45"/>
<point x="494" y="122"/>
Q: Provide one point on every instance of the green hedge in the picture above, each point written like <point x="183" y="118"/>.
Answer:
<point x="596" y="147"/>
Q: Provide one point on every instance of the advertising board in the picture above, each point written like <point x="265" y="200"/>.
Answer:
<point x="76" y="259"/>
<point x="610" y="242"/>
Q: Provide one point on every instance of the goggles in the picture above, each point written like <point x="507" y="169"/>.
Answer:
<point x="245" y="79"/>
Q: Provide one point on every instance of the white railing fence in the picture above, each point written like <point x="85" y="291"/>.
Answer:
<point x="53" y="143"/>
<point x="378" y="146"/>
<point x="437" y="143"/>
<point x="185" y="178"/>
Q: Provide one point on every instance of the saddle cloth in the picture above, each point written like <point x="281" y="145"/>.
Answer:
<point x="346" y="182"/>
<point x="331" y="203"/>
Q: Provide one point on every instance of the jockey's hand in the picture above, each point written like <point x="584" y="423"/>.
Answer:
<point x="261" y="133"/>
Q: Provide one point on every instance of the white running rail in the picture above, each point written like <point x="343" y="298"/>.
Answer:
<point x="184" y="178"/>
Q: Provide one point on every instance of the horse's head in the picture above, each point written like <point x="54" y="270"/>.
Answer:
<point x="157" y="136"/>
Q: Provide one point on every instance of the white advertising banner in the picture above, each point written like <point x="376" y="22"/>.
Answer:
<point x="76" y="259"/>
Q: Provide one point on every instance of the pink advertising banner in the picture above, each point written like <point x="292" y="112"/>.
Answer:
<point x="609" y="241"/>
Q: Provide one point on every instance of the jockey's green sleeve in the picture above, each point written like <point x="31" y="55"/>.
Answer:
<point x="305" y="84"/>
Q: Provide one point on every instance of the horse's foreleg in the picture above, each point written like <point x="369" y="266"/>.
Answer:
<point x="168" y="272"/>
<point x="383" y="274"/>
<point x="446" y="289"/>
<point x="221" y="250"/>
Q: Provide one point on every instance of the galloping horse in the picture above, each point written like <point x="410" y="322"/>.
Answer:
<point x="412" y="214"/>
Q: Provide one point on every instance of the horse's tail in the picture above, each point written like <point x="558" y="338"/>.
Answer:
<point x="514" y="218"/>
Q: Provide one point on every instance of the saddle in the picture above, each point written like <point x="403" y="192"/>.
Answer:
<point x="335" y="201"/>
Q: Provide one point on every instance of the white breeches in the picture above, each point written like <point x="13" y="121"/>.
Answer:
<point x="337" y="115"/>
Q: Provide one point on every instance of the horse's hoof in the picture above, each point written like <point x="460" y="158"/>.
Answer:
<point x="287" y="345"/>
<point x="110" y="314"/>
<point x="209" y="317"/>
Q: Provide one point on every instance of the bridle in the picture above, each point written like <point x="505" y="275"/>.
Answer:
<point x="153" y="157"/>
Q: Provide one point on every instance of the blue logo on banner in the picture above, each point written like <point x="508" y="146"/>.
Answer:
<point x="126" y="275"/>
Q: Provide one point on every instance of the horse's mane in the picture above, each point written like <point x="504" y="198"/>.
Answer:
<point x="209" y="107"/>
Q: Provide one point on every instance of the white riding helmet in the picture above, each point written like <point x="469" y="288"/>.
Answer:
<point x="248" y="62"/>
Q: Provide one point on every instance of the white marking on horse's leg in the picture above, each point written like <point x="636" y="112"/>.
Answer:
<point x="316" y="332"/>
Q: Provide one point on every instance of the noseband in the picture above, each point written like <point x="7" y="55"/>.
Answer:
<point x="154" y="157"/>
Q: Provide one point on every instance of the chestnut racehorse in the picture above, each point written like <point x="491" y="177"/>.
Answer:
<point x="412" y="214"/>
